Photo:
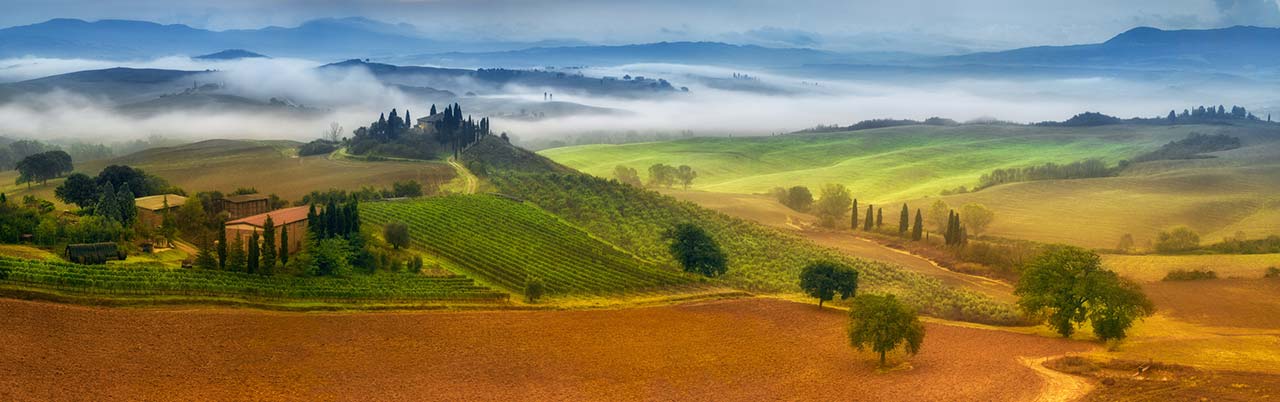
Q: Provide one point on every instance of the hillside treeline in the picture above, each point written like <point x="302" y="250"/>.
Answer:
<point x="1192" y="147"/>
<point x="392" y="135"/>
<point x="1088" y="168"/>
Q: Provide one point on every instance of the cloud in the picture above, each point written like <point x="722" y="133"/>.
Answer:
<point x="1249" y="12"/>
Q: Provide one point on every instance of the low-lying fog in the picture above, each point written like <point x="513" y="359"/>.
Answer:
<point x="718" y="103"/>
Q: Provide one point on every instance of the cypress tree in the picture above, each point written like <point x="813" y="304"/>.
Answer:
<point x="268" y="246"/>
<point x="918" y="230"/>
<point x="948" y="236"/>
<point x="866" y="223"/>
<point x="313" y="221"/>
<point x="222" y="248"/>
<point x="855" y="213"/>
<point x="128" y="209"/>
<point x="235" y="257"/>
<point x="904" y="221"/>
<point x="284" y="245"/>
<point x="251" y="261"/>
<point x="879" y="217"/>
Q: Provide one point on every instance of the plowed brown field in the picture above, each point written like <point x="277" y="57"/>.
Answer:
<point x="748" y="349"/>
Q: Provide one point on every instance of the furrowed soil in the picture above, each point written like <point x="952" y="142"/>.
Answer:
<point x="746" y="349"/>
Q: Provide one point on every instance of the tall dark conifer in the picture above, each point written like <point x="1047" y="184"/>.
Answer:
<point x="904" y="221"/>
<point x="855" y="213"/>
<point x="917" y="231"/>
<point x="251" y="262"/>
<point x="879" y="217"/>
<point x="870" y="220"/>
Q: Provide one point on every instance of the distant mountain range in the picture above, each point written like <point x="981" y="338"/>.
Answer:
<point x="1238" y="49"/>
<point x="327" y="38"/>
<point x="231" y="54"/>
<point x="1243" y="51"/>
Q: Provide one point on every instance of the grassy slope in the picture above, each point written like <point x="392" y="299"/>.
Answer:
<point x="269" y="166"/>
<point x="503" y="241"/>
<point x="760" y="259"/>
<point x="1235" y="192"/>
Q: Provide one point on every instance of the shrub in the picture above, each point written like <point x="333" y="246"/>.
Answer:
<point x="1272" y="272"/>
<point x="1190" y="275"/>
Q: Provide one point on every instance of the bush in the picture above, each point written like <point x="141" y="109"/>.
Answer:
<point x="1272" y="272"/>
<point x="1190" y="275"/>
<point x="317" y="147"/>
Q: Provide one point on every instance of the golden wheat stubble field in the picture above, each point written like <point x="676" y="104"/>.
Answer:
<point x="745" y="349"/>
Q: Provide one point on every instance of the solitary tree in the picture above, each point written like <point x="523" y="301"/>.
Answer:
<point x="976" y="218"/>
<point x="904" y="221"/>
<point x="1067" y="286"/>
<point x="825" y="279"/>
<point x="870" y="221"/>
<point x="833" y="205"/>
<point x="534" y="288"/>
<point x="686" y="175"/>
<point x="881" y="324"/>
<point x="627" y="175"/>
<point x="1125" y="244"/>
<point x="696" y="251"/>
<point x="879" y="217"/>
<point x="938" y="216"/>
<point x="397" y="234"/>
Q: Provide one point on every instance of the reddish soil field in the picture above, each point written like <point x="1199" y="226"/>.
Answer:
<point x="749" y="349"/>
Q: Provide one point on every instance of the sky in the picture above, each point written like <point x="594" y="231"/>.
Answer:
<point x="927" y="26"/>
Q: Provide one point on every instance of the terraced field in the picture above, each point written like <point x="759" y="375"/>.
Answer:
<point x="503" y="242"/>
<point x="102" y="282"/>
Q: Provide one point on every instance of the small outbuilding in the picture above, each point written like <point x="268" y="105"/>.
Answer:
<point x="243" y="205"/>
<point x="151" y="209"/>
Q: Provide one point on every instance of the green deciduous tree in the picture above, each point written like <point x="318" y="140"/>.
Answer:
<point x="696" y="251"/>
<point x="1179" y="239"/>
<point x="937" y="216"/>
<point x="881" y="323"/>
<point x="825" y="279"/>
<point x="627" y="175"/>
<point x="1067" y="286"/>
<point x="685" y="175"/>
<point x="976" y="218"/>
<point x="78" y="189"/>
<point x="833" y="205"/>
<point x="534" y="288"/>
<point x="397" y="234"/>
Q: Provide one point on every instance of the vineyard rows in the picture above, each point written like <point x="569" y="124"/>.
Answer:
<point x="105" y="281"/>
<point x="505" y="242"/>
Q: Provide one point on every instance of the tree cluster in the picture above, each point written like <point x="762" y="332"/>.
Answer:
<point x="41" y="167"/>
<point x="1088" y="168"/>
<point x="1067" y="287"/>
<point x="667" y="176"/>
<point x="392" y="135"/>
<point x="797" y="198"/>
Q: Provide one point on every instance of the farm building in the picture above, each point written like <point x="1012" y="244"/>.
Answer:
<point x="292" y="219"/>
<point x="151" y="208"/>
<point x="240" y="206"/>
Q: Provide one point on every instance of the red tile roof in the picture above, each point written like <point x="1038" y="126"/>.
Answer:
<point x="278" y="217"/>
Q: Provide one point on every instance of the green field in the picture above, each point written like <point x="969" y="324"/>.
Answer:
<point x="1236" y="191"/>
<point x="138" y="281"/>
<point x="502" y="242"/>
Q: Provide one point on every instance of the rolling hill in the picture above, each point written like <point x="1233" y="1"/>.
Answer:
<point x="504" y="242"/>
<point x="229" y="164"/>
<point x="1217" y="196"/>
<point x="760" y="259"/>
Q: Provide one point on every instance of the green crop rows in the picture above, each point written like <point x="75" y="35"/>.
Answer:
<point x="505" y="241"/>
<point x="108" y="282"/>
